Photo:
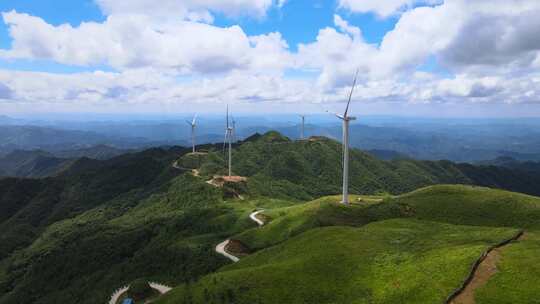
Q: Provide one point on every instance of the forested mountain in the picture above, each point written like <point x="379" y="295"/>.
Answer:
<point x="100" y="224"/>
<point x="39" y="163"/>
<point x="71" y="143"/>
<point x="458" y="140"/>
<point x="312" y="168"/>
<point x="32" y="164"/>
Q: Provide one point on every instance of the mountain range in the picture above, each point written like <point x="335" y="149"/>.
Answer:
<point x="100" y="224"/>
<point x="423" y="139"/>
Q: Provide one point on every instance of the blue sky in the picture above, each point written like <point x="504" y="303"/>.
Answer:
<point x="55" y="12"/>
<point x="299" y="55"/>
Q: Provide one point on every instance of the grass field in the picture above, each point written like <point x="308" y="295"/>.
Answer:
<point x="469" y="205"/>
<point x="393" y="261"/>
<point x="287" y="222"/>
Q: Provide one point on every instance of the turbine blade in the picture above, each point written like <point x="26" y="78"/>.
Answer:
<point x="227" y="117"/>
<point x="225" y="139"/>
<point x="335" y="113"/>
<point x="189" y="122"/>
<point x="350" y="95"/>
<point x="194" y="119"/>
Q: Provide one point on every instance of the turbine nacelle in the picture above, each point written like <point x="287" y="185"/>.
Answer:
<point x="348" y="118"/>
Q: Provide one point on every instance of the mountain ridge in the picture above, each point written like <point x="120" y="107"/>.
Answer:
<point x="101" y="224"/>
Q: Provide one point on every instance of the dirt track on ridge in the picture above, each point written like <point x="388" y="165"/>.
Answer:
<point x="484" y="272"/>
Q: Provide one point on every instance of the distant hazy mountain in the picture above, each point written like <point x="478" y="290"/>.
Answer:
<point x="65" y="142"/>
<point x="512" y="163"/>
<point x="32" y="137"/>
<point x="387" y="154"/>
<point x="39" y="163"/>
<point x="6" y="120"/>
<point x="32" y="164"/>
<point x="95" y="152"/>
<point x="455" y="140"/>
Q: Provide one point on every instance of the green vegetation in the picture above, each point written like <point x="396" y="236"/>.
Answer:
<point x="461" y="205"/>
<point x="139" y="290"/>
<point x="305" y="170"/>
<point x="100" y="225"/>
<point x="517" y="279"/>
<point x="109" y="246"/>
<point x="287" y="222"/>
<point x="420" y="258"/>
<point x="467" y="205"/>
<point x="395" y="261"/>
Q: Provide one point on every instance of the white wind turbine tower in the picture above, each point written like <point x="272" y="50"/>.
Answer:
<point x="302" y="134"/>
<point x="346" y="119"/>
<point x="193" y="126"/>
<point x="228" y="136"/>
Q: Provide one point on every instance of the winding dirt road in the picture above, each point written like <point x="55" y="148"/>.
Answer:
<point x="486" y="268"/>
<point x="162" y="289"/>
<point x="220" y="248"/>
<point x="117" y="294"/>
<point x="253" y="216"/>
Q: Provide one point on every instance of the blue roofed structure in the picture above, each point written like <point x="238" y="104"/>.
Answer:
<point x="128" y="301"/>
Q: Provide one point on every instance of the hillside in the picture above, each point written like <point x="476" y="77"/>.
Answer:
<point x="33" y="164"/>
<point x="39" y="163"/>
<point x="382" y="262"/>
<point x="99" y="225"/>
<point x="304" y="170"/>
<point x="86" y="184"/>
<point x="412" y="248"/>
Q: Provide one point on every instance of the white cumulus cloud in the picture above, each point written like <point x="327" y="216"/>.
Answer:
<point x="135" y="41"/>
<point x="489" y="50"/>
<point x="199" y="10"/>
<point x="383" y="8"/>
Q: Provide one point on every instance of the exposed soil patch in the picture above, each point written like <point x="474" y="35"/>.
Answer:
<point x="237" y="248"/>
<point x="263" y="217"/>
<point x="198" y="153"/>
<point x="234" y="179"/>
<point x="219" y="181"/>
<point x="483" y="273"/>
<point x="407" y="210"/>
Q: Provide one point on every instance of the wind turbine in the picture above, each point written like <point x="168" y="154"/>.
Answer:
<point x="228" y="136"/>
<point x="193" y="126"/>
<point x="302" y="137"/>
<point x="346" y="119"/>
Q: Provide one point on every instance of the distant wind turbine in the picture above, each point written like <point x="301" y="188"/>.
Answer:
<point x="228" y="138"/>
<point x="346" y="119"/>
<point x="193" y="125"/>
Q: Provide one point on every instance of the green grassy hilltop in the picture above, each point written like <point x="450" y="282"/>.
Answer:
<point x="393" y="261"/>
<point x="414" y="248"/>
<point x="100" y="225"/>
